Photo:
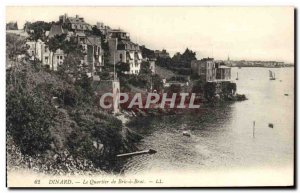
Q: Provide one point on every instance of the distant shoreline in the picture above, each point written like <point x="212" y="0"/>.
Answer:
<point x="261" y="67"/>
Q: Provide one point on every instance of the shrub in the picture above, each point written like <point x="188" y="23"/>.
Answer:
<point x="28" y="119"/>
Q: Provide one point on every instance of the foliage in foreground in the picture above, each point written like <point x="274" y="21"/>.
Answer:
<point x="54" y="121"/>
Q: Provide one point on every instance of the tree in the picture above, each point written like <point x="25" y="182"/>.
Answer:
<point x="57" y="42"/>
<point x="70" y="45"/>
<point x="29" y="118"/>
<point x="147" y="53"/>
<point x="176" y="59"/>
<point x="71" y="63"/>
<point x="210" y="90"/>
<point x="157" y="82"/>
<point x="12" y="26"/>
<point x="145" y="69"/>
<point x="174" y="88"/>
<point x="164" y="62"/>
<point x="187" y="57"/>
<point x="37" y="30"/>
<point x="180" y="63"/>
<point x="121" y="68"/>
<point x="197" y="87"/>
<point x="15" y="46"/>
<point x="85" y="83"/>
<point x="71" y="49"/>
<point x="184" y="60"/>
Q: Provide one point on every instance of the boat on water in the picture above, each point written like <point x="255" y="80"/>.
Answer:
<point x="272" y="75"/>
<point x="186" y="133"/>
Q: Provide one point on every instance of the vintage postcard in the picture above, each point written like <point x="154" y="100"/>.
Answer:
<point x="150" y="96"/>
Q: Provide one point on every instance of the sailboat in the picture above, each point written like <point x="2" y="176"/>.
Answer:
<point x="272" y="75"/>
<point x="237" y="76"/>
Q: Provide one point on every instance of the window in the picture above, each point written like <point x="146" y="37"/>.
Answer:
<point x="57" y="57"/>
<point x="46" y="59"/>
<point x="121" y="56"/>
<point x="61" y="57"/>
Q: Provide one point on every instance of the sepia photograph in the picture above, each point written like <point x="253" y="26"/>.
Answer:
<point x="150" y="97"/>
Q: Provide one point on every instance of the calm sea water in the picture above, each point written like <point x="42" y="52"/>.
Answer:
<point x="223" y="136"/>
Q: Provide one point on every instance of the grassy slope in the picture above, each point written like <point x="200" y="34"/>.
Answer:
<point x="163" y="72"/>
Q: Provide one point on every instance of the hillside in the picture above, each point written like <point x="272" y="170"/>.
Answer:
<point x="163" y="72"/>
<point x="54" y="126"/>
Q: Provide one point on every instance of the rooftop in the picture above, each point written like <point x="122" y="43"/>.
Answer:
<point x="93" y="40"/>
<point x="56" y="29"/>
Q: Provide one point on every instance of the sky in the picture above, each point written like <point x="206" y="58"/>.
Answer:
<point x="249" y="33"/>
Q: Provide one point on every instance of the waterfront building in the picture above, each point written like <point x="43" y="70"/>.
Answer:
<point x="211" y="71"/>
<point x="205" y="68"/>
<point x="223" y="73"/>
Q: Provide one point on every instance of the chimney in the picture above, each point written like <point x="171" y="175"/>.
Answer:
<point x="77" y="16"/>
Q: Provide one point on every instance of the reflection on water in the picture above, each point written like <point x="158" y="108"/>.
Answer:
<point x="223" y="136"/>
